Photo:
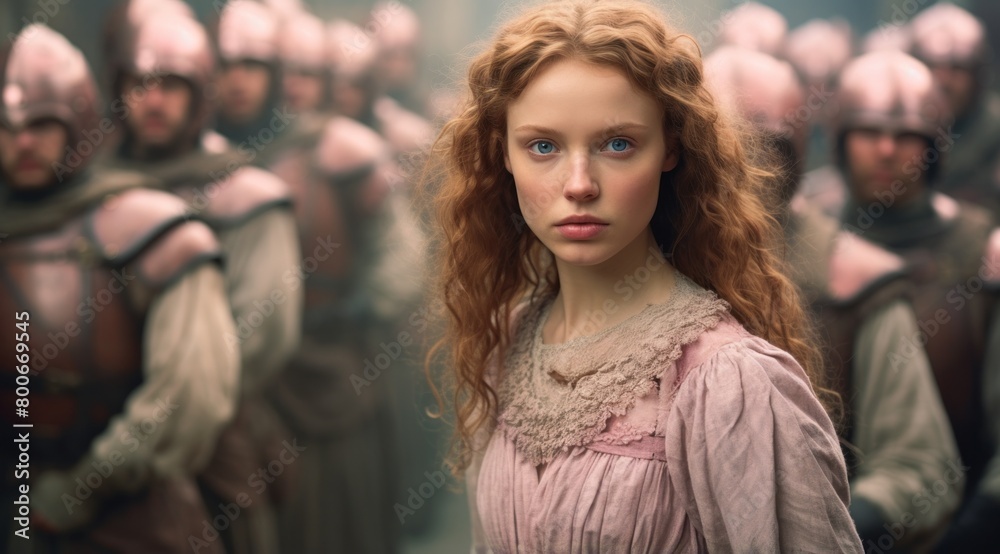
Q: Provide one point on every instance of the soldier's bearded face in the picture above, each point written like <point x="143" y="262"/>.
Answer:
<point x="28" y="156"/>
<point x="159" y="115"/>
<point x="243" y="88"/>
<point x="885" y="165"/>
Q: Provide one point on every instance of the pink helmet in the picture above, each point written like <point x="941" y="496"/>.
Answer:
<point x="947" y="34"/>
<point x="891" y="91"/>
<point x="121" y="24"/>
<point x="765" y="91"/>
<point x="819" y="49"/>
<point x="352" y="51"/>
<point x="172" y="44"/>
<point x="46" y="77"/>
<point x="753" y="26"/>
<point x="302" y="43"/>
<point x="248" y="31"/>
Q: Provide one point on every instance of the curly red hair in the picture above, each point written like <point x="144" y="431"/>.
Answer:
<point x="709" y="216"/>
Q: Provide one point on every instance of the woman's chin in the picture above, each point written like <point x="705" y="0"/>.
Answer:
<point x="581" y="255"/>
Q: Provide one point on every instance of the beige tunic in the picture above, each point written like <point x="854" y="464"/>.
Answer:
<point x="901" y="428"/>
<point x="189" y="389"/>
<point x="990" y="482"/>
<point x="262" y="261"/>
<point x="899" y="423"/>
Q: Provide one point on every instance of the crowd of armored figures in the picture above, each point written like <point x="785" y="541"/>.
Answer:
<point x="213" y="280"/>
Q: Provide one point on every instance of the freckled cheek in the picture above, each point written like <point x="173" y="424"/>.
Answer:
<point x="534" y="199"/>
<point x="635" y="192"/>
<point x="537" y="187"/>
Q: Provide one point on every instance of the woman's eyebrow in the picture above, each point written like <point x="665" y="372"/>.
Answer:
<point x="535" y="129"/>
<point x="607" y="131"/>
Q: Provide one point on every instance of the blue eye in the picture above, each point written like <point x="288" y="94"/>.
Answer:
<point x="618" y="145"/>
<point x="542" y="147"/>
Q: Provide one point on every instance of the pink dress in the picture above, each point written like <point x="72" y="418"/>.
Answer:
<point x="673" y="431"/>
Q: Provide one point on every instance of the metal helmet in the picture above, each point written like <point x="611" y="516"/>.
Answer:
<point x="397" y="25"/>
<point x="172" y="44"/>
<point x="753" y="26"/>
<point x="758" y="87"/>
<point x="248" y="31"/>
<point x="352" y="52"/>
<point x="357" y="160"/>
<point x="46" y="77"/>
<point x="887" y="37"/>
<point x="819" y="49"/>
<point x="302" y="43"/>
<point x="404" y="130"/>
<point x="948" y="35"/>
<point x="354" y="77"/>
<point x="766" y="92"/>
<point x="138" y="11"/>
<point x="891" y="91"/>
<point x="126" y="17"/>
<point x="121" y="24"/>
<point x="285" y="8"/>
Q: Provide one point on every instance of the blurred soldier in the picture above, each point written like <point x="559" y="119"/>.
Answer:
<point x="954" y="45"/>
<point x="249" y="209"/>
<point x="125" y="305"/>
<point x="305" y="63"/>
<point x="818" y="50"/>
<point x="119" y="29"/>
<point x="891" y="129"/>
<point x="857" y="292"/>
<point x="334" y="393"/>
<point x="397" y="65"/>
<point x="249" y="83"/>
<point x="355" y="85"/>
<point x="357" y="94"/>
<point x="400" y="271"/>
<point x="305" y="70"/>
<point x="753" y="26"/>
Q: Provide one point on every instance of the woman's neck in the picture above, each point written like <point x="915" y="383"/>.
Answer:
<point x="593" y="298"/>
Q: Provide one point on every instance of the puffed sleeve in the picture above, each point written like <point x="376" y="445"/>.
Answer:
<point x="479" y="545"/>
<point x="755" y="457"/>
<point x="190" y="387"/>
<point x="267" y="307"/>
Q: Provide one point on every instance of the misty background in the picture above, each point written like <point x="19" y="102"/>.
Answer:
<point x="451" y="29"/>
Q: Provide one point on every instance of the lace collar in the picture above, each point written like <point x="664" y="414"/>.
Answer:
<point x="557" y="396"/>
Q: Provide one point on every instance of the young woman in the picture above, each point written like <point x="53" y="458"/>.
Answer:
<point x="608" y="397"/>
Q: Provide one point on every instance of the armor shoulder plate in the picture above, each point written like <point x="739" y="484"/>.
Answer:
<point x="247" y="193"/>
<point x="404" y="130"/>
<point x="858" y="269"/>
<point x="151" y="230"/>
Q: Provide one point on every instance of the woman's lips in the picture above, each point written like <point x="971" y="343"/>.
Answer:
<point x="581" y="231"/>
